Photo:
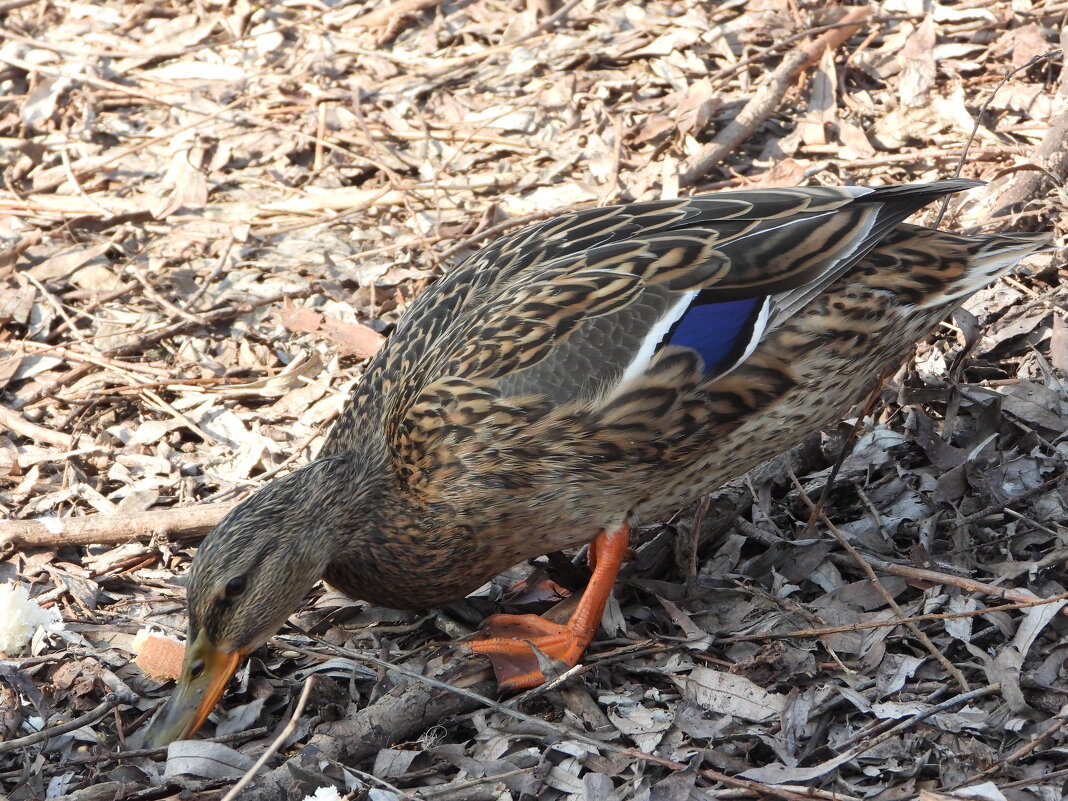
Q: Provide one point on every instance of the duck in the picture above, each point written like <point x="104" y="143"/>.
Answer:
<point x="565" y="383"/>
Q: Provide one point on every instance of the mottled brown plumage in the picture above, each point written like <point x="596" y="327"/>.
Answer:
<point x="583" y="374"/>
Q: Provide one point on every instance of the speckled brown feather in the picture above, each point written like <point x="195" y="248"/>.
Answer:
<point x="474" y="441"/>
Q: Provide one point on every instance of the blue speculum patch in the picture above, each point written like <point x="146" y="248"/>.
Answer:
<point x="720" y="332"/>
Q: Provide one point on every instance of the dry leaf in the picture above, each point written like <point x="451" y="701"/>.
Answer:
<point x="730" y="694"/>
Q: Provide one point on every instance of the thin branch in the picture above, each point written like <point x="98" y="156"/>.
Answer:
<point x="1009" y="74"/>
<point x="111" y="700"/>
<point x="932" y="649"/>
<point x="279" y="741"/>
<point x="768" y="97"/>
<point x="183" y="523"/>
<point x="845" y="628"/>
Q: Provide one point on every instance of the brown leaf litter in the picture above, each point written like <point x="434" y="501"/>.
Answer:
<point x="212" y="214"/>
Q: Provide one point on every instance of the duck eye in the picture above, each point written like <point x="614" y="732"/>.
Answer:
<point x="235" y="586"/>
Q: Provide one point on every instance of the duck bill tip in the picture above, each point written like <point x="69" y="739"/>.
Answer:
<point x="194" y="697"/>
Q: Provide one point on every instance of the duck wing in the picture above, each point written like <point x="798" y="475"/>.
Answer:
<point x="573" y="308"/>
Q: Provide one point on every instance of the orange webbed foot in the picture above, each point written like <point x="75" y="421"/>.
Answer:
<point x="509" y="650"/>
<point x="511" y="637"/>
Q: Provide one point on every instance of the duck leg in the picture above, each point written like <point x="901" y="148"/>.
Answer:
<point x="508" y="645"/>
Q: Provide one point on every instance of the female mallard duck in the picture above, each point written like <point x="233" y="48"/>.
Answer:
<point x="593" y="370"/>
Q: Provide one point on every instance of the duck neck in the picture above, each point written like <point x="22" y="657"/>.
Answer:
<point x="350" y="486"/>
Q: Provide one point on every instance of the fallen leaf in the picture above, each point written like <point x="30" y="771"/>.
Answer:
<point x="205" y="760"/>
<point x="730" y="694"/>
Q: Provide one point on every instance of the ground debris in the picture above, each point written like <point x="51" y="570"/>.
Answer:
<point x="212" y="214"/>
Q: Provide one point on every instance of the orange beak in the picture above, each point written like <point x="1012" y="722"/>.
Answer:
<point x="205" y="673"/>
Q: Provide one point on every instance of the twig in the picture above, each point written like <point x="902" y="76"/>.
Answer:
<point x="986" y="511"/>
<point x="191" y="302"/>
<point x="882" y="624"/>
<point x="111" y="700"/>
<point x="384" y="16"/>
<point x="370" y="778"/>
<point x="932" y="649"/>
<point x="463" y="692"/>
<point x="1009" y="74"/>
<point x="155" y="296"/>
<point x="915" y="720"/>
<point x="154" y="400"/>
<point x="279" y="741"/>
<point x="729" y="72"/>
<point x="53" y="301"/>
<point x="375" y="725"/>
<point x="68" y="170"/>
<point x="206" y="318"/>
<point x="11" y="5"/>
<point x="451" y="65"/>
<point x="184" y="523"/>
<point x="260" y="478"/>
<point x="67" y="764"/>
<point x="1052" y="158"/>
<point x="934" y="577"/>
<point x="93" y="164"/>
<point x="96" y="301"/>
<point x="175" y="385"/>
<point x="767" y="98"/>
<point x="562" y="731"/>
<point x="95" y="358"/>
<point x="461" y="790"/>
<point x="13" y="421"/>
<point x="1055" y="725"/>
<point x="1029" y="782"/>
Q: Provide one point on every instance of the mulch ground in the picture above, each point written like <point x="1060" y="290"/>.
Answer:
<point x="211" y="214"/>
